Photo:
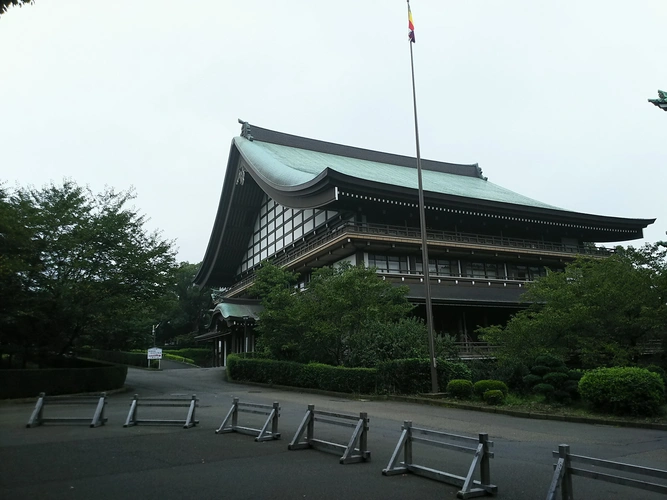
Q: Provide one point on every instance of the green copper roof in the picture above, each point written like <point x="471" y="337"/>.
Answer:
<point x="238" y="311"/>
<point x="286" y="167"/>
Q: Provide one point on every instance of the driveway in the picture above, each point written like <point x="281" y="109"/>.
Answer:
<point x="168" y="462"/>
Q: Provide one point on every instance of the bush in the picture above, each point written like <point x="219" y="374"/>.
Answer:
<point x="412" y="376"/>
<point x="659" y="371"/>
<point x="81" y="376"/>
<point x="545" y="389"/>
<point x="562" y="397"/>
<point x="459" y="388"/>
<point x="530" y="380"/>
<point x="482" y="386"/>
<point x="557" y="379"/>
<point x="540" y="370"/>
<point x="313" y="375"/>
<point x="627" y="390"/>
<point x="494" y="397"/>
<point x="548" y="360"/>
<point x="199" y="356"/>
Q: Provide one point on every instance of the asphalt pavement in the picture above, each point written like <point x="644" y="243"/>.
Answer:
<point x="59" y="461"/>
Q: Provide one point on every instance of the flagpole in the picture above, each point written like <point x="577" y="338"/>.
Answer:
<point x="422" y="218"/>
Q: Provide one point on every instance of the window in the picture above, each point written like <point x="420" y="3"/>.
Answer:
<point x="391" y="263"/>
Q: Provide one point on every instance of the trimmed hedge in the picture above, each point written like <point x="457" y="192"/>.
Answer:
<point x="313" y="376"/>
<point x="627" y="390"/>
<point x="200" y="356"/>
<point x="94" y="377"/>
<point x="118" y="357"/>
<point x="408" y="376"/>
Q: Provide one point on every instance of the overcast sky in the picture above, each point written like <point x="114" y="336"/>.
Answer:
<point x="550" y="98"/>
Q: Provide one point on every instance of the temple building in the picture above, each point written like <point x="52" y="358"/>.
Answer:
<point x="305" y="203"/>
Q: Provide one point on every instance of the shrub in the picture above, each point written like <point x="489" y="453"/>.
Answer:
<point x="540" y="370"/>
<point x="545" y="389"/>
<point x="530" y="380"/>
<point x="460" y="388"/>
<point x="549" y="361"/>
<point x="494" y="397"/>
<point x="623" y="390"/>
<point x="412" y="376"/>
<point x="482" y="386"/>
<point x="556" y="379"/>
<point x="562" y="397"/>
<point x="659" y="371"/>
<point x="313" y="376"/>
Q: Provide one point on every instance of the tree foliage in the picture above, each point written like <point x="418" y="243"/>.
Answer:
<point x="77" y="266"/>
<point x="598" y="312"/>
<point x="346" y="315"/>
<point x="183" y="310"/>
<point x="6" y="4"/>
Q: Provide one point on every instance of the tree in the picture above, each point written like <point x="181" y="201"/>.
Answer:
<point x="598" y="312"/>
<point x="183" y="310"/>
<point x="5" y="4"/>
<point x="77" y="267"/>
<point x="339" y="314"/>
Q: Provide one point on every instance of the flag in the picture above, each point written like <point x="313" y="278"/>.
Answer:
<point x="411" y="26"/>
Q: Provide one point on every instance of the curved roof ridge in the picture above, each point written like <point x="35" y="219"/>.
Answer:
<point x="273" y="137"/>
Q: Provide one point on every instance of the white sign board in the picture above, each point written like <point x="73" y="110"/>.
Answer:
<point x="154" y="353"/>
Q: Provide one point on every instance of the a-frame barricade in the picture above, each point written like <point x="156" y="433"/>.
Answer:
<point x="98" y="418"/>
<point x="231" y="421"/>
<point x="596" y="468"/>
<point x="469" y="487"/>
<point x="188" y="422"/>
<point x="357" y="448"/>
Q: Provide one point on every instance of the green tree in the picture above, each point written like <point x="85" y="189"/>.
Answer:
<point x="327" y="320"/>
<point x="598" y="312"/>
<point x="6" y="4"/>
<point x="78" y="267"/>
<point x="183" y="310"/>
<point x="280" y="327"/>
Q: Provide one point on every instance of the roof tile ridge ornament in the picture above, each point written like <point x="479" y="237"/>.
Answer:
<point x="245" y="130"/>
<point x="479" y="172"/>
<point x="661" y="102"/>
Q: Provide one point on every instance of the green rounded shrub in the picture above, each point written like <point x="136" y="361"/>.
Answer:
<point x="544" y="389"/>
<point x="481" y="386"/>
<point x="531" y="379"/>
<point x="548" y="360"/>
<point x="623" y="390"/>
<point x="555" y="378"/>
<point x="540" y="370"/>
<point x="460" y="388"/>
<point x="562" y="397"/>
<point x="494" y="397"/>
<point x="657" y="369"/>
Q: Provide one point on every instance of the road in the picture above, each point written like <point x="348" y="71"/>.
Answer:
<point x="57" y="461"/>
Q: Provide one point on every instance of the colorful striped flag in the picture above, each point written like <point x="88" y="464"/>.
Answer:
<point x="411" y="26"/>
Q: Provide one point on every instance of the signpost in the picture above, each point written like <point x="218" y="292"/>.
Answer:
<point x="154" y="353"/>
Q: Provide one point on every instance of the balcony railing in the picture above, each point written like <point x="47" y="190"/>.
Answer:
<point x="361" y="229"/>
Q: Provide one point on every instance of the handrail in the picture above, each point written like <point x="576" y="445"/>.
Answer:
<point x="360" y="228"/>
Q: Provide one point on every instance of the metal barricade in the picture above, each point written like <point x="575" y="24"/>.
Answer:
<point x="188" y="422"/>
<point x="356" y="449"/>
<point x="98" y="418"/>
<point x="263" y="434"/>
<point x="563" y="472"/>
<point x="469" y="487"/>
